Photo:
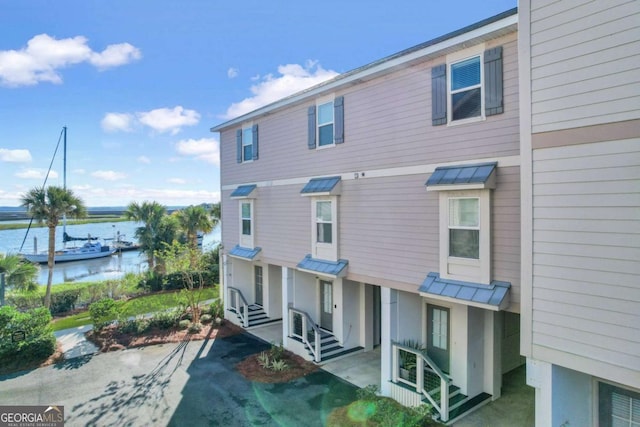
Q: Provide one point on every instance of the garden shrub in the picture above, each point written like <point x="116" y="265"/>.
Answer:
<point x="133" y="326"/>
<point x="39" y="341"/>
<point x="184" y="324"/>
<point x="216" y="309"/>
<point x="103" y="312"/>
<point x="194" y="328"/>
<point x="62" y="302"/>
<point x="205" y="318"/>
<point x="164" y="319"/>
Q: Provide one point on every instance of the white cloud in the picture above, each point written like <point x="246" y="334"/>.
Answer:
<point x="14" y="156"/>
<point x="36" y="174"/>
<point x="108" y="175"/>
<point x="169" y="119"/>
<point x="144" y="159"/>
<point x="44" y="56"/>
<point x="115" y="55"/>
<point x="113" y="122"/>
<point x="292" y="78"/>
<point x="205" y="149"/>
<point x="232" y="73"/>
<point x="123" y="195"/>
<point x="177" y="181"/>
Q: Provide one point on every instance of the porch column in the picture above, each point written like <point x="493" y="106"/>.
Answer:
<point x="389" y="332"/>
<point x="225" y="275"/>
<point x="287" y="300"/>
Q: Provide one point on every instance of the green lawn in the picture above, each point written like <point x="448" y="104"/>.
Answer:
<point x="135" y="307"/>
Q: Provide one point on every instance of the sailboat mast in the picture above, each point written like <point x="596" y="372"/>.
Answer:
<point x="64" y="180"/>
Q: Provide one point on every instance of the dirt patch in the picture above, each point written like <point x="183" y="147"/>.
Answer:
<point x="110" y="339"/>
<point x="297" y="367"/>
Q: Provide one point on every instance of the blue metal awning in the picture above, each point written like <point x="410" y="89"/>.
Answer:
<point x="243" y="191"/>
<point x="478" y="176"/>
<point x="322" y="186"/>
<point x="244" y="253"/>
<point x="322" y="267"/>
<point x="494" y="296"/>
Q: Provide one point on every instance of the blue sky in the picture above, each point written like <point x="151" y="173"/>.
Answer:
<point x="140" y="83"/>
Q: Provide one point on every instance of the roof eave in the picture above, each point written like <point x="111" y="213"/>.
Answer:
<point x="492" y="29"/>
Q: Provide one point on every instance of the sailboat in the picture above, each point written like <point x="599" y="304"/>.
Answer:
<point x="90" y="250"/>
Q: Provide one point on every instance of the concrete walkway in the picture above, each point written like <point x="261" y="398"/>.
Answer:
<point x="74" y="344"/>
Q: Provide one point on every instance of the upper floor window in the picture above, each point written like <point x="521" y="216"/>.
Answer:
<point x="326" y="123"/>
<point x="325" y="228"/>
<point x="469" y="87"/>
<point x="465" y="89"/>
<point x="247" y="143"/>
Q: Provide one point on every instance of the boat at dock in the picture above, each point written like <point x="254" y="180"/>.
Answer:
<point x="89" y="250"/>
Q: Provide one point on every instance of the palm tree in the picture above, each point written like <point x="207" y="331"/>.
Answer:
<point x="215" y="213"/>
<point x="151" y="214"/>
<point x="193" y="219"/>
<point x="49" y="205"/>
<point x="20" y="273"/>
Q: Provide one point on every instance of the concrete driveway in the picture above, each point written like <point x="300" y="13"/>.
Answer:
<point x="186" y="384"/>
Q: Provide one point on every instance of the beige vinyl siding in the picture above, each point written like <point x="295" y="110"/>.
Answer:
<point x="573" y="80"/>
<point x="586" y="251"/>
<point x="387" y="124"/>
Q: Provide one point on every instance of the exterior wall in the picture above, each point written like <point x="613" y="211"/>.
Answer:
<point x="586" y="255"/>
<point x="350" y="313"/>
<point x="574" y="46"/>
<point x="580" y="140"/>
<point x="387" y="124"/>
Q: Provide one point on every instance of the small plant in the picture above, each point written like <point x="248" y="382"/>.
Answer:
<point x="164" y="320"/>
<point x="277" y="351"/>
<point x="133" y="326"/>
<point x="184" y="324"/>
<point x="263" y="360"/>
<point x="205" y="318"/>
<point x="278" y="365"/>
<point x="194" y="328"/>
<point x="216" y="309"/>
<point x="368" y="393"/>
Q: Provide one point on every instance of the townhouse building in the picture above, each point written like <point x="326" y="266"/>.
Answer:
<point x="580" y="147"/>
<point x="382" y="209"/>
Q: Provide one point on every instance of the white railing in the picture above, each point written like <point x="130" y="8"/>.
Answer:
<point x="238" y="304"/>
<point x="416" y="377"/>
<point x="301" y="326"/>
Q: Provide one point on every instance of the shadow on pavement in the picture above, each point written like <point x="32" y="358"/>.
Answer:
<point x="74" y="362"/>
<point x="217" y="395"/>
<point x="121" y="401"/>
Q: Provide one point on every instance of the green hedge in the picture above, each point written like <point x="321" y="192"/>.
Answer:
<point x="39" y="341"/>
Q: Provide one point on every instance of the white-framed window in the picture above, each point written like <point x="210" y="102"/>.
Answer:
<point x="246" y="223"/>
<point x="325" y="120"/>
<point x="325" y="228"/>
<point x="247" y="144"/>
<point x="465" y="89"/>
<point x="464" y="227"/>
<point x="465" y="245"/>
<point x="618" y="406"/>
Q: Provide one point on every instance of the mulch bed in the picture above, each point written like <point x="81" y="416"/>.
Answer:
<point x="110" y="339"/>
<point x="297" y="367"/>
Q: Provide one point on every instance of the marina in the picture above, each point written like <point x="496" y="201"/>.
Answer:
<point x="111" y="267"/>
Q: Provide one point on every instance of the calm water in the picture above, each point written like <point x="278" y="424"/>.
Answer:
<point x="112" y="267"/>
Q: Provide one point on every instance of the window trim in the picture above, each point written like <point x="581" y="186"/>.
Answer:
<point x="476" y="270"/>
<point x="321" y="102"/>
<point x="247" y="129"/>
<point x="453" y="59"/>
<point x="322" y="250"/>
<point x="246" y="240"/>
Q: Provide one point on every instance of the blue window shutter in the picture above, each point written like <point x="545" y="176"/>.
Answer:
<point x="439" y="95"/>
<point x="311" y="142"/>
<point x="338" y="119"/>
<point x="493" y="96"/>
<point x="254" y="130"/>
<point x="239" y="144"/>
